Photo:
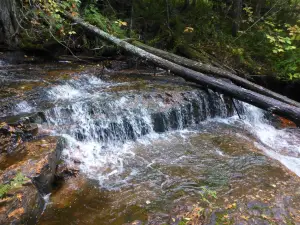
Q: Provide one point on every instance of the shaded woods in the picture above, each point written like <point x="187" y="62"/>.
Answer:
<point x="237" y="36"/>
<point x="251" y="37"/>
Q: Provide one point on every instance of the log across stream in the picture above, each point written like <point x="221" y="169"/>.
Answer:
<point x="270" y="104"/>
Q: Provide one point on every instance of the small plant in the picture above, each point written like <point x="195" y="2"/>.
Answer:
<point x="17" y="182"/>
<point x="207" y="195"/>
<point x="4" y="188"/>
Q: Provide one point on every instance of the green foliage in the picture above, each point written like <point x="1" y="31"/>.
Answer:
<point x="279" y="38"/>
<point x="289" y="66"/>
<point x="268" y="41"/>
<point x="93" y="16"/>
<point x="4" y="188"/>
<point x="207" y="195"/>
<point x="43" y="21"/>
<point x="17" y="182"/>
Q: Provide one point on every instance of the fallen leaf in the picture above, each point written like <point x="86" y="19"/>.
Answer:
<point x="245" y="217"/>
<point x="19" y="197"/>
<point x="231" y="206"/>
<point x="16" y="213"/>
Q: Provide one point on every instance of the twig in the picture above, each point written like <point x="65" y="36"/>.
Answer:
<point x="236" y="108"/>
<point x="257" y="21"/>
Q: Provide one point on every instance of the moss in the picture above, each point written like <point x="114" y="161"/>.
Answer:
<point x="93" y="16"/>
<point x="4" y="188"/>
<point x="17" y="182"/>
<point x="223" y="218"/>
<point x="182" y="222"/>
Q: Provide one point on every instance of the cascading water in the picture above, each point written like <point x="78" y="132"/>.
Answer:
<point x="153" y="143"/>
<point x="100" y="126"/>
<point x="280" y="144"/>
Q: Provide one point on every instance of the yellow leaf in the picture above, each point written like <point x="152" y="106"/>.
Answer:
<point x="231" y="206"/>
<point x="188" y="30"/>
<point x="245" y="217"/>
<point x="19" y="197"/>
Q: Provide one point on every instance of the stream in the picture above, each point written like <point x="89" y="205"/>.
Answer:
<point x="147" y="148"/>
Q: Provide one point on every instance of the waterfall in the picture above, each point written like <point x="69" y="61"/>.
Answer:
<point x="100" y="126"/>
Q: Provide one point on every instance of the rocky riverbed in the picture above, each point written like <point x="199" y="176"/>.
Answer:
<point x="88" y="144"/>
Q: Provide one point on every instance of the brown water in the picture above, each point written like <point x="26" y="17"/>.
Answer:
<point x="170" y="172"/>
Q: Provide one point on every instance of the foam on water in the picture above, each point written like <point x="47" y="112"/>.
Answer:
<point x="280" y="144"/>
<point x="101" y="128"/>
<point x="23" y="107"/>
<point x="2" y="63"/>
<point x="75" y="88"/>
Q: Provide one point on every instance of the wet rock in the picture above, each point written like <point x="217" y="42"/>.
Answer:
<point x="38" y="118"/>
<point x="136" y="222"/>
<point x="26" y="181"/>
<point x="31" y="129"/>
<point x="159" y="122"/>
<point x="257" y="205"/>
<point x="258" y="221"/>
<point x="13" y="57"/>
<point x="13" y="135"/>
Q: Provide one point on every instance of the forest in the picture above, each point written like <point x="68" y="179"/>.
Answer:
<point x="256" y="37"/>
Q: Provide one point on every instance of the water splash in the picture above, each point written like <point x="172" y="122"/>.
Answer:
<point x="75" y="88"/>
<point x="101" y="127"/>
<point x="280" y="144"/>
<point x="2" y="63"/>
<point x="23" y="107"/>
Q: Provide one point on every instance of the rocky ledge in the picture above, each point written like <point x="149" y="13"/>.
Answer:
<point x="26" y="177"/>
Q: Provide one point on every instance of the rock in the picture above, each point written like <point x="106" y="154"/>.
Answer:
<point x="12" y="135"/>
<point x="136" y="222"/>
<point x="31" y="128"/>
<point x="27" y="180"/>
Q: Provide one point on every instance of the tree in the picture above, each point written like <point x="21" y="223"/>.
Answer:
<point x="9" y="23"/>
<point x="236" y="16"/>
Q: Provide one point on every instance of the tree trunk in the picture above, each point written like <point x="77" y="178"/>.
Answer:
<point x="8" y="23"/>
<point x="185" y="5"/>
<point x="261" y="101"/>
<point x="194" y="3"/>
<point x="258" y="7"/>
<point x="208" y="69"/>
<point x="236" y="16"/>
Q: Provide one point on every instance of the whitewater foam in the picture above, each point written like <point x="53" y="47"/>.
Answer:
<point x="101" y="129"/>
<point x="280" y="144"/>
<point x="23" y="107"/>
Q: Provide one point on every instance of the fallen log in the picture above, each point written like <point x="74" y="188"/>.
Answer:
<point x="270" y="104"/>
<point x="208" y="69"/>
<point x="201" y="56"/>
